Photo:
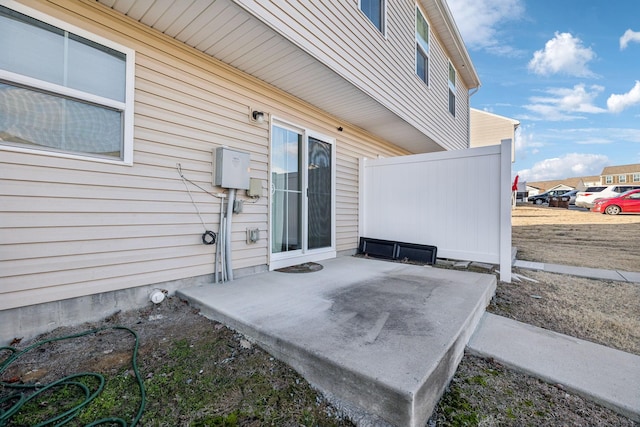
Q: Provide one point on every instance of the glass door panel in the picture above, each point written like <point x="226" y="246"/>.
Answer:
<point x="319" y="194"/>
<point x="286" y="191"/>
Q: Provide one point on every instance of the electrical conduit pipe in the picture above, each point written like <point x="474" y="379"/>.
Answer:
<point x="227" y="235"/>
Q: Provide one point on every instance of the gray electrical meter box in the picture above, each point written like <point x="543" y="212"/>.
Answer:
<point x="230" y="168"/>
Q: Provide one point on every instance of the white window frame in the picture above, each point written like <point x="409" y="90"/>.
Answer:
<point x="622" y="179"/>
<point x="636" y="177"/>
<point x="126" y="107"/>
<point x="608" y="179"/>
<point x="418" y="45"/>
<point x="383" y="17"/>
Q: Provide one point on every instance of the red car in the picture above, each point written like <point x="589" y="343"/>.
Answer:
<point x="626" y="202"/>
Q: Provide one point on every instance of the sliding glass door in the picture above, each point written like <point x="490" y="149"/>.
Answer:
<point x="319" y="172"/>
<point x="286" y="191"/>
<point x="302" y="187"/>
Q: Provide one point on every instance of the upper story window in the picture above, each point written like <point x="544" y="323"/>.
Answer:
<point x="608" y="179"/>
<point x="636" y="177"/>
<point x="452" y="89"/>
<point x="63" y="90"/>
<point x="622" y="178"/>
<point x="422" y="47"/>
<point x="375" y="11"/>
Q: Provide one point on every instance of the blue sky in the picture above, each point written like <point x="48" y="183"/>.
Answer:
<point x="568" y="70"/>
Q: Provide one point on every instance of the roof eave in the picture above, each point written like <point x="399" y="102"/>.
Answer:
<point x="455" y="46"/>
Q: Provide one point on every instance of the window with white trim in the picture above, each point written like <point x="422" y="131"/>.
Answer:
<point x="608" y="179"/>
<point x="422" y="47"/>
<point x="622" y="178"/>
<point x="452" y="89"/>
<point x="375" y="11"/>
<point x="636" y="177"/>
<point x="63" y="90"/>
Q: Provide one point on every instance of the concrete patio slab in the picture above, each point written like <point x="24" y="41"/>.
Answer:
<point x="383" y="338"/>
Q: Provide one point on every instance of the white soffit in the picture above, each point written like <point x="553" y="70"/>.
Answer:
<point x="224" y="30"/>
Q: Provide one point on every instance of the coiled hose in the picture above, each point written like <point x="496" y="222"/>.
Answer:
<point x="21" y="399"/>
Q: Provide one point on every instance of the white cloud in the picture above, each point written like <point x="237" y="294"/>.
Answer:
<point x="617" y="103"/>
<point x="563" y="54"/>
<point x="527" y="141"/>
<point x="629" y="36"/>
<point x="601" y="135"/>
<point x="479" y="22"/>
<point x="569" y="165"/>
<point x="565" y="104"/>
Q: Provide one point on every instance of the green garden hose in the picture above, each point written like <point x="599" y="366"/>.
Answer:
<point x="19" y="399"/>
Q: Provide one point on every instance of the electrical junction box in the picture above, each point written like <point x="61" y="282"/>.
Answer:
<point x="231" y="168"/>
<point x="255" y="188"/>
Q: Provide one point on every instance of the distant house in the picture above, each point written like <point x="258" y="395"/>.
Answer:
<point x="538" y="187"/>
<point x="591" y="181"/>
<point x="629" y="174"/>
<point x="489" y="129"/>
<point x="105" y="105"/>
<point x="624" y="174"/>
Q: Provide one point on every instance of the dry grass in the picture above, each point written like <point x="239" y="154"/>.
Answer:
<point x="601" y="311"/>
<point x="585" y="239"/>
<point x="604" y="312"/>
<point x="483" y="393"/>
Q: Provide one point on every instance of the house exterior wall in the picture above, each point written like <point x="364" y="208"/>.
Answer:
<point x="625" y="174"/>
<point x="73" y="227"/>
<point x="623" y="178"/>
<point x="490" y="129"/>
<point x="338" y="34"/>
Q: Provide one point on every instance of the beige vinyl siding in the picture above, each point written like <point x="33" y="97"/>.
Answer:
<point x="338" y="34"/>
<point x="490" y="129"/>
<point x="72" y="227"/>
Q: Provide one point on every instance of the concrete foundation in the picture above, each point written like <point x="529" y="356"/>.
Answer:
<point x="31" y="320"/>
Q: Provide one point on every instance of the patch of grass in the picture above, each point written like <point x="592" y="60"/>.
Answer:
<point x="478" y="380"/>
<point x="57" y="403"/>
<point x="457" y="410"/>
<point x="228" y="386"/>
<point x="202" y="374"/>
<point x="230" y="420"/>
<point x="120" y="398"/>
<point x="508" y="398"/>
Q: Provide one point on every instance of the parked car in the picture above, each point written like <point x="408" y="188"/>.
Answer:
<point x="572" y="196"/>
<point x="626" y="202"/>
<point x="541" y="198"/>
<point x="586" y="198"/>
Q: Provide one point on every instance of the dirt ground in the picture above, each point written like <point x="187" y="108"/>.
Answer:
<point x="486" y="394"/>
<point x="199" y="373"/>
<point x="605" y="312"/>
<point x="602" y="311"/>
<point x="576" y="237"/>
<point x="195" y="373"/>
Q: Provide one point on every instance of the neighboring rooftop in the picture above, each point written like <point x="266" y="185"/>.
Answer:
<point x="548" y="185"/>
<point x="586" y="181"/>
<point x="622" y="169"/>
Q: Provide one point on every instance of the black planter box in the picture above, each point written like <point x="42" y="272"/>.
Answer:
<point x="389" y="249"/>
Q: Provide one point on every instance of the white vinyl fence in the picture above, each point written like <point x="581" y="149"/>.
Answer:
<point x="458" y="201"/>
